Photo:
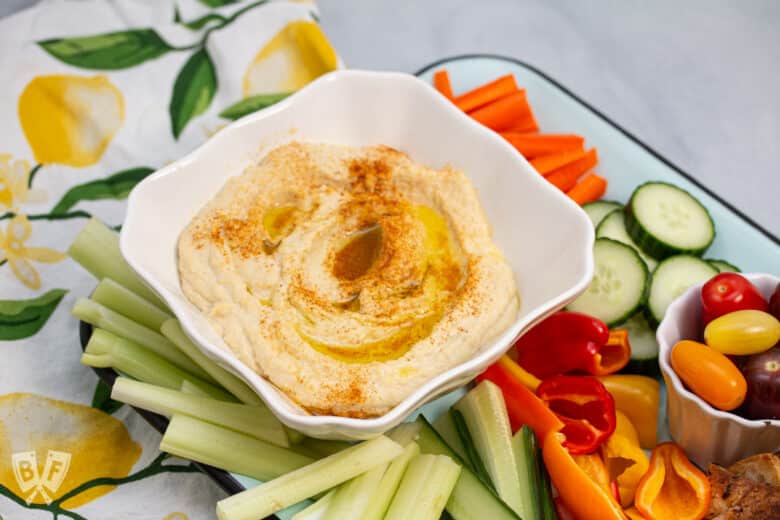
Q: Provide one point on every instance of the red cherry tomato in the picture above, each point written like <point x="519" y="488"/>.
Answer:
<point x="729" y="292"/>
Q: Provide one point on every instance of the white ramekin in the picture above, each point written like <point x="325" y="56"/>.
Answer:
<point x="708" y="435"/>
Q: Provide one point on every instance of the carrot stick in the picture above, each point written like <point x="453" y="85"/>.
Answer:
<point x="502" y="113"/>
<point x="536" y="145"/>
<point x="566" y="177"/>
<point x="588" y="189"/>
<point x="547" y="163"/>
<point x="441" y="82"/>
<point x="487" y="93"/>
<point x="526" y="123"/>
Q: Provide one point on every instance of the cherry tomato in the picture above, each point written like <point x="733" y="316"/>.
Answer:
<point x="709" y="374"/>
<point x="729" y="292"/>
<point x="743" y="333"/>
<point x="762" y="373"/>
<point x="774" y="303"/>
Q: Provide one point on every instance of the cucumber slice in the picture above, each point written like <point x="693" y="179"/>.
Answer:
<point x="445" y="426"/>
<point x="599" y="209"/>
<point x="471" y="499"/>
<point x="724" y="266"/>
<point x="614" y="226"/>
<point x="525" y="450"/>
<point x="484" y="412"/>
<point x="673" y="277"/>
<point x="644" y="346"/>
<point x="619" y="283"/>
<point x="665" y="220"/>
<point x="472" y="459"/>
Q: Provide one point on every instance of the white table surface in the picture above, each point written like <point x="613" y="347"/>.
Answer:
<point x="699" y="81"/>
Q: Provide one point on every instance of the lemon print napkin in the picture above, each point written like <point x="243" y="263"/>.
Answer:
<point x="95" y="96"/>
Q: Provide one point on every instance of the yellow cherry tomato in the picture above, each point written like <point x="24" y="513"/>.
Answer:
<point x="743" y="333"/>
<point x="709" y="374"/>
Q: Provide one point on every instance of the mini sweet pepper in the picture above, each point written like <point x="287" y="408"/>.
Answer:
<point x="626" y="463"/>
<point x="672" y="487"/>
<point x="572" y="342"/>
<point x="586" y="499"/>
<point x="585" y="407"/>
<point x="638" y="397"/>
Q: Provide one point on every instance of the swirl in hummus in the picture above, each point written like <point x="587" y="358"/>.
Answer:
<point x="348" y="277"/>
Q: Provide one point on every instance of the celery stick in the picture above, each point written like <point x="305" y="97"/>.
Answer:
<point x="322" y="447"/>
<point x="172" y="330"/>
<point x="308" y="481"/>
<point x="223" y="448"/>
<point x="101" y="316"/>
<point x="445" y="426"/>
<point x="127" y="303"/>
<point x="96" y="249"/>
<point x="108" y="350"/>
<point x="425" y="488"/>
<point x="316" y="511"/>
<point x="189" y="388"/>
<point x="252" y="420"/>
<point x="484" y="412"/>
<point x="353" y="497"/>
<point x="388" y="486"/>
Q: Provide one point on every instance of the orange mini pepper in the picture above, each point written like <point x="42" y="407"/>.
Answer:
<point x="634" y="514"/>
<point x="586" y="499"/>
<point x="593" y="465"/>
<point x="672" y="487"/>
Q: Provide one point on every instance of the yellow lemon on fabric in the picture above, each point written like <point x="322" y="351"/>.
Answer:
<point x="297" y="54"/>
<point x="72" y="444"/>
<point x="70" y="119"/>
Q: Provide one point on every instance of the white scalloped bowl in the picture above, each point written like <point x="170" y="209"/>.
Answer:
<point x="546" y="238"/>
<point x="708" y="435"/>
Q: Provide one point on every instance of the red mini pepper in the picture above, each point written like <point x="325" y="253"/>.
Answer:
<point x="585" y="407"/>
<point x="572" y="342"/>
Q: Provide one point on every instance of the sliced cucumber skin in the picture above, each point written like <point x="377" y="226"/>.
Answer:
<point x="599" y="209"/>
<point x="723" y="266"/>
<point x="611" y="220"/>
<point x="471" y="499"/>
<point x="653" y="246"/>
<point x="639" y="302"/>
<point x="643" y="361"/>
<point x="654" y="316"/>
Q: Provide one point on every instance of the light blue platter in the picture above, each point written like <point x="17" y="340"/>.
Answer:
<point x="624" y="160"/>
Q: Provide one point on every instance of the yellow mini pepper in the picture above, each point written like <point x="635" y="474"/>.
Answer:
<point x="637" y="397"/>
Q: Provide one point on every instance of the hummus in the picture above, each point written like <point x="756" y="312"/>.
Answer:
<point x="348" y="277"/>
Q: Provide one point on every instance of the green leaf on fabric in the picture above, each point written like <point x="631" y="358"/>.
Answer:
<point x="252" y="104"/>
<point x="109" y="51"/>
<point x="24" y="318"/>
<point x="200" y="23"/>
<point x="101" y="399"/>
<point x="116" y="186"/>
<point x="193" y="90"/>
<point x="218" y="3"/>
